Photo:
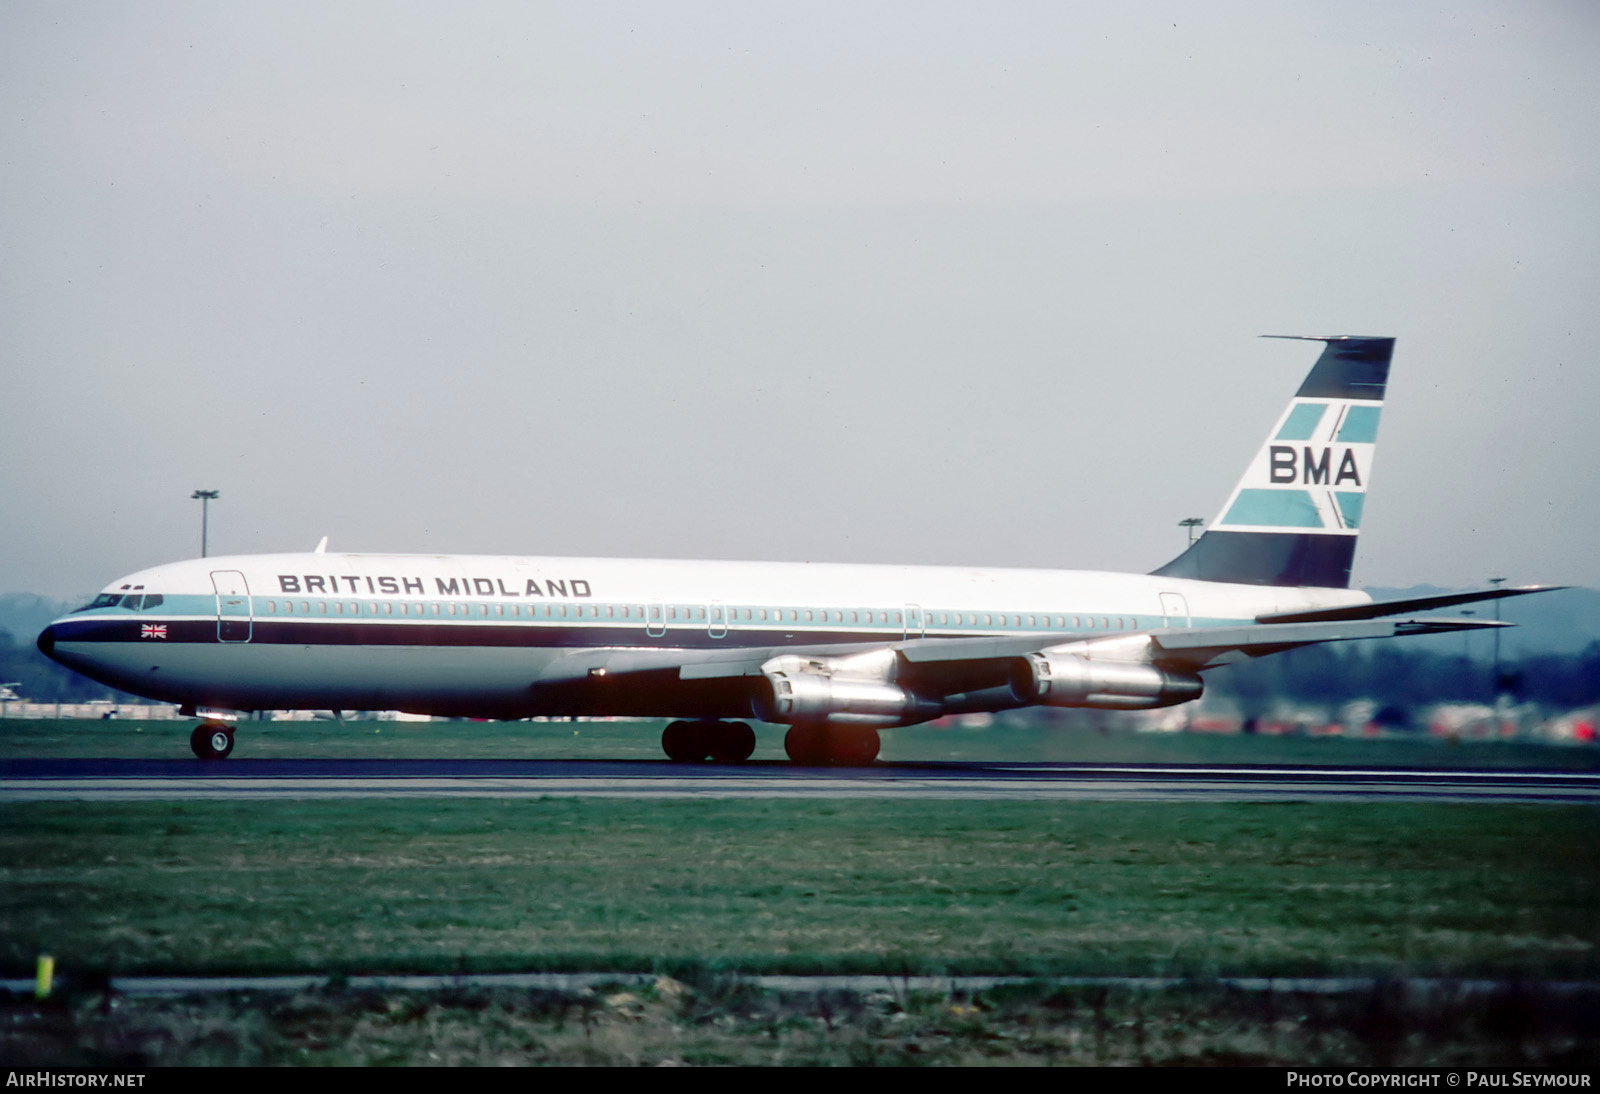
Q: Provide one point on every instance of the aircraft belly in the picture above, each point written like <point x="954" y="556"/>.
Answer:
<point x="467" y="681"/>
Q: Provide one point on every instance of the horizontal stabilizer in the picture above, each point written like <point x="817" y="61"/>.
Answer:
<point x="1204" y="648"/>
<point x="1379" y="608"/>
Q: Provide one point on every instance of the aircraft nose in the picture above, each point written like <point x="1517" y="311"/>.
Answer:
<point x="47" y="642"/>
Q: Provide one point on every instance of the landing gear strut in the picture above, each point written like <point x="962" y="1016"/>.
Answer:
<point x="724" y="742"/>
<point x="211" y="741"/>
<point x="831" y="746"/>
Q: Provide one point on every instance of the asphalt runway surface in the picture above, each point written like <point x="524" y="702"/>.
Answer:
<point x="177" y="780"/>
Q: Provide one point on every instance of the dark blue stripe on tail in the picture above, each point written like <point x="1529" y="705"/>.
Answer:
<point x="1267" y="558"/>
<point x="1350" y="368"/>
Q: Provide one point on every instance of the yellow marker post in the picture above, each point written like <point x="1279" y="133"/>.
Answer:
<point x="42" y="978"/>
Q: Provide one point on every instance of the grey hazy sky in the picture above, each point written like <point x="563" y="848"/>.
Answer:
<point x="896" y="282"/>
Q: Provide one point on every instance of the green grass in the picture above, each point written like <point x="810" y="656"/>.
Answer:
<point x="801" y="886"/>
<point x="1022" y="737"/>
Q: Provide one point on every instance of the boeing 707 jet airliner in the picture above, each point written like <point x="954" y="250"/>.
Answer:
<point x="834" y="652"/>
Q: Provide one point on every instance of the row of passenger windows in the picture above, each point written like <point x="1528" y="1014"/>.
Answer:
<point x="675" y="613"/>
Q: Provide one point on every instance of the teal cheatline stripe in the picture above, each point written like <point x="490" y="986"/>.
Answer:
<point x="1350" y="507"/>
<point x="1301" y="422"/>
<point x="1360" y="425"/>
<point x="1274" y="509"/>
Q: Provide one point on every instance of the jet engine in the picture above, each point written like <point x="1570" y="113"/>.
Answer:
<point x="1067" y="680"/>
<point x="848" y="691"/>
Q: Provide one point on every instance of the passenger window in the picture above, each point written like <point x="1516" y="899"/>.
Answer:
<point x="322" y="607"/>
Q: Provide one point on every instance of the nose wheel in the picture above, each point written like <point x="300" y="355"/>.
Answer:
<point x="211" y="741"/>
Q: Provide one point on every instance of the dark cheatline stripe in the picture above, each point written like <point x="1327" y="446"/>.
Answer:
<point x="397" y="633"/>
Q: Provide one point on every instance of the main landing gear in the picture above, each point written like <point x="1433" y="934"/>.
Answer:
<point x="212" y="740"/>
<point x="724" y="742"/>
<point x="831" y="746"/>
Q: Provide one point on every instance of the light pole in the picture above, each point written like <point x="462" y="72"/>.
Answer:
<point x="206" y="497"/>
<point x="1191" y="523"/>
<point x="1499" y="687"/>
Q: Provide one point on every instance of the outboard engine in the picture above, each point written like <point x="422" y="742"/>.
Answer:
<point x="1067" y="680"/>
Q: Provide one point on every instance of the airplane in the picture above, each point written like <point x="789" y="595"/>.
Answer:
<point x="834" y="652"/>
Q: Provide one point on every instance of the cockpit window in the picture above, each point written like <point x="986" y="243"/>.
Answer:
<point x="152" y="600"/>
<point x="105" y="600"/>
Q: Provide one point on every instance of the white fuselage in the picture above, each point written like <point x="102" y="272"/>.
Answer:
<point x="476" y="635"/>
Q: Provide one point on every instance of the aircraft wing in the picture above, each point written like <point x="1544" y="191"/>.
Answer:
<point x="950" y="666"/>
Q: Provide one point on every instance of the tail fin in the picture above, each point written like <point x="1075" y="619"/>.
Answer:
<point x="1294" y="516"/>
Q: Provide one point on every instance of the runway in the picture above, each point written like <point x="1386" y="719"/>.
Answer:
<point x="108" y="780"/>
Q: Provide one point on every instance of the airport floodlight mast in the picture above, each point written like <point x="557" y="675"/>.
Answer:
<point x="1499" y="681"/>
<point x="206" y="497"/>
<point x="1191" y="523"/>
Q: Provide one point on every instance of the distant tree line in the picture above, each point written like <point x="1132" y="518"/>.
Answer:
<point x="1395" y="677"/>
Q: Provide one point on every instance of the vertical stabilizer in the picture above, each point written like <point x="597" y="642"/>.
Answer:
<point x="1294" y="516"/>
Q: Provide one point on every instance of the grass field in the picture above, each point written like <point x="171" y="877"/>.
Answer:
<point x="1382" y="889"/>
<point x="694" y="890"/>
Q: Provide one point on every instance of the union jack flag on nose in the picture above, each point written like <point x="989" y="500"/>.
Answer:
<point x="153" y="630"/>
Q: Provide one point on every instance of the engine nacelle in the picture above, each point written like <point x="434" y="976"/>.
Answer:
<point x="807" y="690"/>
<point x="1066" y="680"/>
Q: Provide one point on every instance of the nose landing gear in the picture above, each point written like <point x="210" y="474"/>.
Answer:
<point x="211" y="741"/>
